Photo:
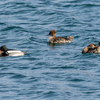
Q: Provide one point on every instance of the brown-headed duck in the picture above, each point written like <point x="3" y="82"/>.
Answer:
<point x="54" y="39"/>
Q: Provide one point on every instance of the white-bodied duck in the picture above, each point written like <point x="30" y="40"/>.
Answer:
<point x="10" y="52"/>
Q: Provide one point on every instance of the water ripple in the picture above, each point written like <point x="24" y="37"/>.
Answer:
<point x="49" y="71"/>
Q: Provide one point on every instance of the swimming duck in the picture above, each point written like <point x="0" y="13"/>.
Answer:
<point x="54" y="39"/>
<point x="97" y="50"/>
<point x="10" y="52"/>
<point x="89" y="49"/>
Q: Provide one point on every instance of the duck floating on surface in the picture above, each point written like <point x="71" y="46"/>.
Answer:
<point x="10" y="52"/>
<point x="54" y="39"/>
<point x="89" y="49"/>
<point x="92" y="48"/>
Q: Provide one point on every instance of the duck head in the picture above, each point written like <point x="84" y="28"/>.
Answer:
<point x="92" y="46"/>
<point x="3" y="51"/>
<point x="3" y="48"/>
<point x="52" y="33"/>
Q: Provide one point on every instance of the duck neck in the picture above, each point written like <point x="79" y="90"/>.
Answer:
<point x="51" y="39"/>
<point x="54" y="35"/>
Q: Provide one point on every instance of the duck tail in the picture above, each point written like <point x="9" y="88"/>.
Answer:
<point x="25" y="51"/>
<point x="70" y="38"/>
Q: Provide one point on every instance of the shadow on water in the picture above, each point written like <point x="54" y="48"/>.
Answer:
<point x="53" y="45"/>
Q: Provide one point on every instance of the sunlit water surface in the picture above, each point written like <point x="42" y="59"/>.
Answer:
<point x="49" y="72"/>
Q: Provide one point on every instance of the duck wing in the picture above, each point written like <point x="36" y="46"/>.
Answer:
<point x="63" y="40"/>
<point x="59" y="40"/>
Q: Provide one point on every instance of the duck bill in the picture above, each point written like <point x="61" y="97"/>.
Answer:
<point x="47" y="35"/>
<point x="95" y="47"/>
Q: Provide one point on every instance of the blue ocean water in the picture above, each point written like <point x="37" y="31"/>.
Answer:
<point x="49" y="72"/>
